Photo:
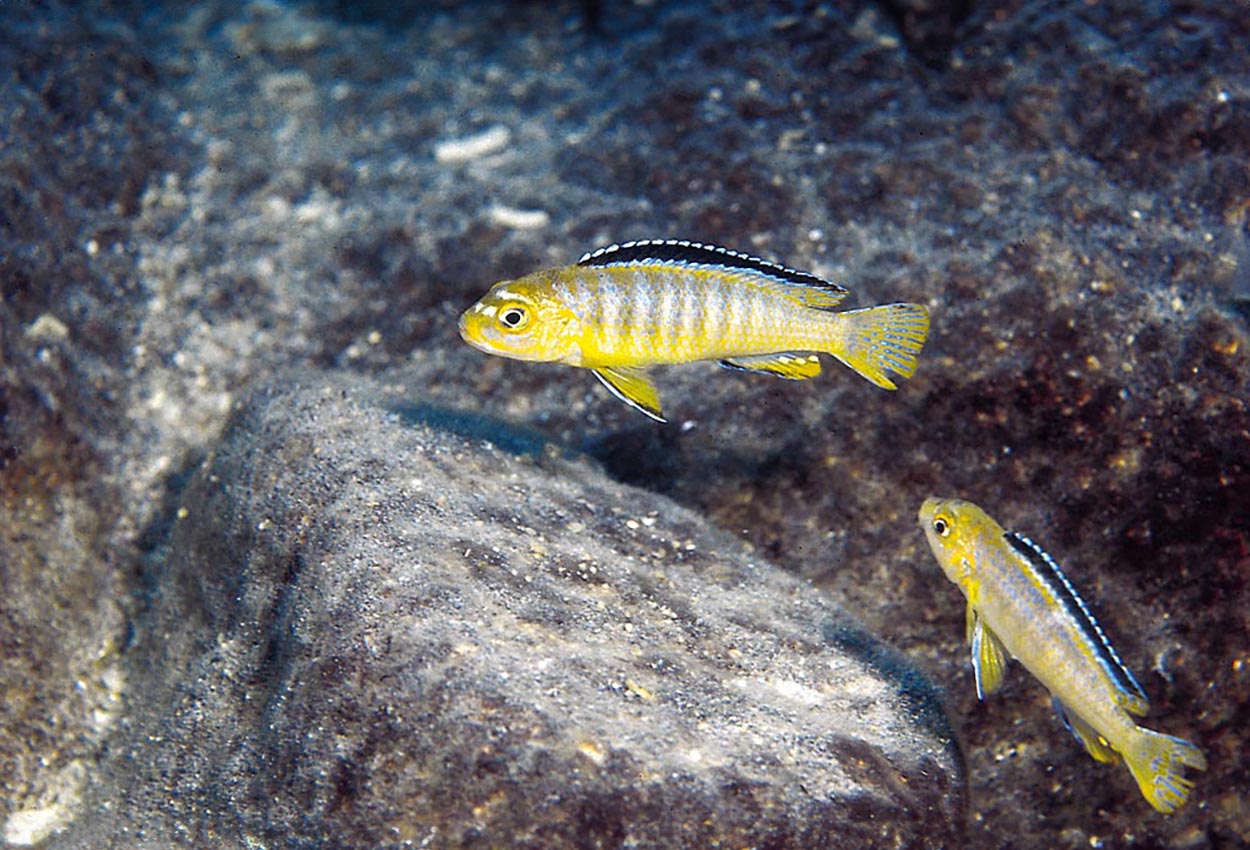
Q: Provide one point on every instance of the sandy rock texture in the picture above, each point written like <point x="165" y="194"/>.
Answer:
<point x="377" y="626"/>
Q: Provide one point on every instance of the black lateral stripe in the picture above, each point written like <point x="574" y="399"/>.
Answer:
<point x="1059" y="585"/>
<point x="696" y="253"/>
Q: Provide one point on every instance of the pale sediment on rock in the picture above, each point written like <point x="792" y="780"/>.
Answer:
<point x="374" y="622"/>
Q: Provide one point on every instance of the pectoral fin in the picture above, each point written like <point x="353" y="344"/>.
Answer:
<point x="792" y="365"/>
<point x="989" y="657"/>
<point x="1096" y="745"/>
<point x="632" y="386"/>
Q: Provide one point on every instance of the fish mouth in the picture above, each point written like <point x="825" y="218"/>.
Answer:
<point x="467" y="334"/>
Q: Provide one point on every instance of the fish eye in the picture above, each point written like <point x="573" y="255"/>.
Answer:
<point x="941" y="526"/>
<point x="512" y="318"/>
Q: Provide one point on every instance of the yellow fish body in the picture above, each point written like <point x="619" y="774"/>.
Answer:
<point x="1021" y="605"/>
<point x="626" y="307"/>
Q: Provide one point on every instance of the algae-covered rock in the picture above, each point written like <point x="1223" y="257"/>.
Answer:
<point x="375" y="624"/>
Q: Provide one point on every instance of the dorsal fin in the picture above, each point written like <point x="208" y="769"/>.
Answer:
<point x="1046" y="568"/>
<point x="805" y="287"/>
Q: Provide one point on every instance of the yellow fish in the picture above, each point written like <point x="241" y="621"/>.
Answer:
<point x="626" y="307"/>
<point x="1021" y="605"/>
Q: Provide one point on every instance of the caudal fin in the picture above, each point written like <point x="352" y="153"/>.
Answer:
<point x="1156" y="761"/>
<point x="883" y="339"/>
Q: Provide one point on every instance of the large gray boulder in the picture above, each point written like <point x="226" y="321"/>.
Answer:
<point x="378" y="622"/>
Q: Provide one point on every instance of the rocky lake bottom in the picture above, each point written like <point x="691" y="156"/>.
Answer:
<point x="288" y="564"/>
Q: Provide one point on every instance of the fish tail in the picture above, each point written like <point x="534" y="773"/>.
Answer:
<point x="877" y="340"/>
<point x="1156" y="761"/>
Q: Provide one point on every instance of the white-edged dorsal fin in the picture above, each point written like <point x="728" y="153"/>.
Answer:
<point x="1132" y="697"/>
<point x="804" y="287"/>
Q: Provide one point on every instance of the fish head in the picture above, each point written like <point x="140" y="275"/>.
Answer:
<point x="953" y="527"/>
<point x="524" y="320"/>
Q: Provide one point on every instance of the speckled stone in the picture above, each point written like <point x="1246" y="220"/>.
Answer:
<point x="381" y="622"/>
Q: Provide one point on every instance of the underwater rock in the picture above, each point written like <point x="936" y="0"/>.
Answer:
<point x="380" y="623"/>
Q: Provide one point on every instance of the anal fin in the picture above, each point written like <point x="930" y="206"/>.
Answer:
<point x="632" y="386"/>
<point x="989" y="657"/>
<point x="791" y="365"/>
<point x="1096" y="745"/>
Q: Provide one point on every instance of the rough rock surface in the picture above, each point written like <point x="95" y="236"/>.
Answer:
<point x="195" y="197"/>
<point x="370" y="629"/>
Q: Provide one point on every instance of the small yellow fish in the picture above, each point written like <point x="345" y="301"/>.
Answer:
<point x="1020" y="604"/>
<point x="626" y="307"/>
